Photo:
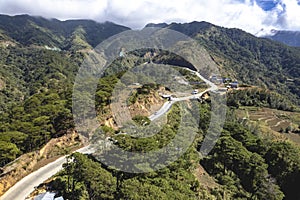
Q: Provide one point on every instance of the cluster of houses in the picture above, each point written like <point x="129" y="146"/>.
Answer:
<point x="227" y="82"/>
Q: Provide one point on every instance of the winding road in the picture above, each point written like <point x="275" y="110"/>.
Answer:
<point x="166" y="106"/>
<point x="24" y="187"/>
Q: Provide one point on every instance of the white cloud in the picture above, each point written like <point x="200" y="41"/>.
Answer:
<point x="242" y="14"/>
<point x="292" y="14"/>
<point x="62" y="9"/>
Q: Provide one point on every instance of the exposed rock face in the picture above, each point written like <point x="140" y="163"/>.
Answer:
<point x="146" y="105"/>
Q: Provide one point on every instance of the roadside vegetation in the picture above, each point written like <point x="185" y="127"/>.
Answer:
<point x="36" y="84"/>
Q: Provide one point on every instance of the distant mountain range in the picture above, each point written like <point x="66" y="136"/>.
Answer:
<point x="27" y="30"/>
<point x="291" y="38"/>
<point x="253" y="60"/>
<point x="240" y="55"/>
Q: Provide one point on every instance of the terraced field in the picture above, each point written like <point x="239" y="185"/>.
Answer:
<point x="272" y="123"/>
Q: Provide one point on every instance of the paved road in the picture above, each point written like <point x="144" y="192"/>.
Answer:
<point x="25" y="186"/>
<point x="169" y="104"/>
<point x="162" y="110"/>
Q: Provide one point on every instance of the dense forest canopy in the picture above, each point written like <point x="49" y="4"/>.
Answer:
<point x="39" y="59"/>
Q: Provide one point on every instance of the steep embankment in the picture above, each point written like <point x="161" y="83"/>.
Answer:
<point x="27" y="163"/>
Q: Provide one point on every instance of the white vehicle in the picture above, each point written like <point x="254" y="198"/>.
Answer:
<point x="195" y="92"/>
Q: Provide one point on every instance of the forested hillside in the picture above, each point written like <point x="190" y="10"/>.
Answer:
<point x="27" y="30"/>
<point x="252" y="60"/>
<point x="243" y="165"/>
<point x="39" y="59"/>
<point x="36" y="99"/>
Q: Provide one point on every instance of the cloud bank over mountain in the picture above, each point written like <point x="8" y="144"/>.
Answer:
<point x="254" y="16"/>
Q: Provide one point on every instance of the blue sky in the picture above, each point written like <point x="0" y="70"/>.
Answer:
<point x="267" y="5"/>
<point x="250" y="15"/>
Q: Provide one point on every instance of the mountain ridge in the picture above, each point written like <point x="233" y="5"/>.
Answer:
<point x="291" y="38"/>
<point x="42" y="31"/>
<point x="235" y="50"/>
<point x="245" y="57"/>
<point x="36" y="87"/>
<point x="239" y="55"/>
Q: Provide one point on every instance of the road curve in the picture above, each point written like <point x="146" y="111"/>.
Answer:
<point x="167" y="105"/>
<point x="162" y="110"/>
<point x="25" y="186"/>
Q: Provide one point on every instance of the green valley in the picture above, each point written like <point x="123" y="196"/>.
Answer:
<point x="256" y="157"/>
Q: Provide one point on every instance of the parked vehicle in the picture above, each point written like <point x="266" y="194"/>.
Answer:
<point x="195" y="92"/>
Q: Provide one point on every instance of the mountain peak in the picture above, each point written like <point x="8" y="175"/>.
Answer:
<point x="291" y="38"/>
<point x="159" y="25"/>
<point x="34" y="30"/>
